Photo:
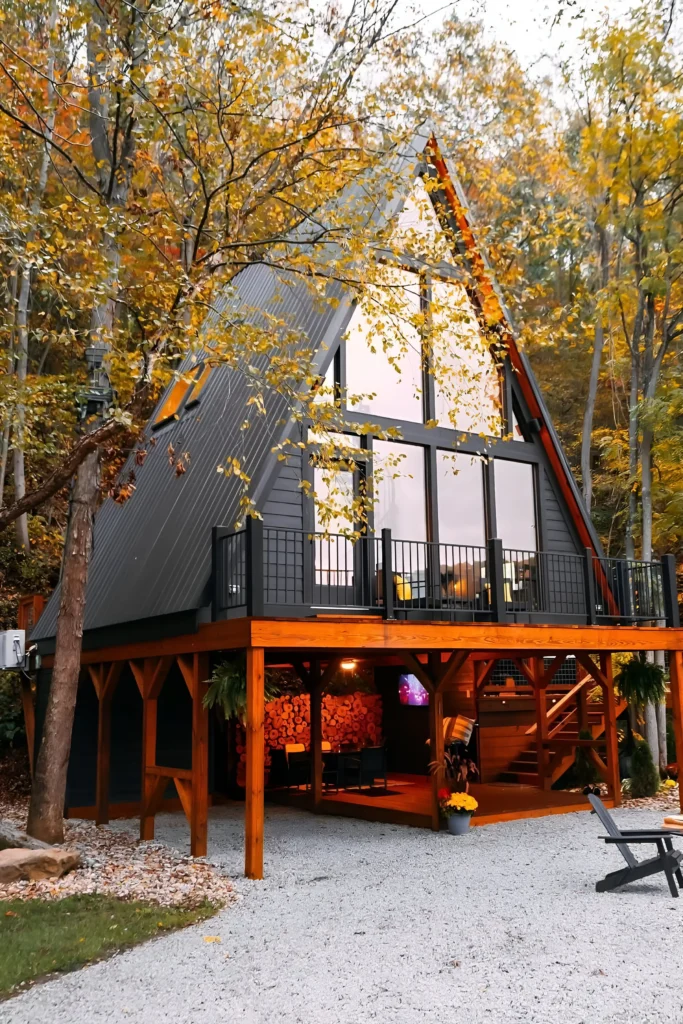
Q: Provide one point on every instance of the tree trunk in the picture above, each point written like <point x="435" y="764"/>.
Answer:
<point x="594" y="379"/>
<point x="632" y="515"/>
<point x="661" y="735"/>
<point x="45" y="818"/>
<point x="651" y="733"/>
<point x="21" y="524"/>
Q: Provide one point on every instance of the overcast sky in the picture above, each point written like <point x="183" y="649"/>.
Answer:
<point x="526" y="25"/>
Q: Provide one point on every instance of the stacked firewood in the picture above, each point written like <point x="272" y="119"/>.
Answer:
<point x="354" y="720"/>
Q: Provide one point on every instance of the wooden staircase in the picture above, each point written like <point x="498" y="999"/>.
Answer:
<point x="564" y="715"/>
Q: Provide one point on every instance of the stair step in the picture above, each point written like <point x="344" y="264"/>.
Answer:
<point x="520" y="778"/>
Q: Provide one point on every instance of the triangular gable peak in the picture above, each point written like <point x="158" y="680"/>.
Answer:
<point x="415" y="314"/>
<point x="492" y="308"/>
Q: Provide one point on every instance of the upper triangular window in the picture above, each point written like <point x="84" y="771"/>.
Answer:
<point x="418" y="232"/>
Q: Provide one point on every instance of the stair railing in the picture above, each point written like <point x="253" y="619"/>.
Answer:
<point x="557" y="708"/>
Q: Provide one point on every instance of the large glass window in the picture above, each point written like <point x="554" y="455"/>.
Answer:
<point x="399" y="489"/>
<point x="466" y="382"/>
<point x="515" y="504"/>
<point x="460" y="492"/>
<point x="334" y="492"/>
<point x="384" y="350"/>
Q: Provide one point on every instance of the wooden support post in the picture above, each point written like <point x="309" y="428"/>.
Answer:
<point x="108" y="679"/>
<point x="149" y="753"/>
<point x="676" y="686"/>
<point x="199" y="806"/>
<point x="253" y="854"/>
<point x="538" y="672"/>
<point x="103" y="761"/>
<point x="582" y="709"/>
<point x="154" y="672"/>
<point x="316" y="694"/>
<point x="607" y="683"/>
<point x="436" y="751"/>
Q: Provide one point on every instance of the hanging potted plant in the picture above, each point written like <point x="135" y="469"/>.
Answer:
<point x="457" y="809"/>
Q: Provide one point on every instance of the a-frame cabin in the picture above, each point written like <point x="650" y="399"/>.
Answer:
<point x="477" y="573"/>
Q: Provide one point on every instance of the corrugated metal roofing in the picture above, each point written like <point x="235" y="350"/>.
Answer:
<point x="152" y="555"/>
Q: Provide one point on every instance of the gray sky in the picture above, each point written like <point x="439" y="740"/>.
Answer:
<point x="525" y="25"/>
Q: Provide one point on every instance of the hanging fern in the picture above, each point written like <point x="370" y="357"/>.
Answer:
<point x="228" y="688"/>
<point x="641" y="682"/>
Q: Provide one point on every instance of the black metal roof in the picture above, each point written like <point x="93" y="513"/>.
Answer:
<point x="152" y="554"/>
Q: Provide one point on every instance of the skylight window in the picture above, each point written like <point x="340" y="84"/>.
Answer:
<point x="182" y="395"/>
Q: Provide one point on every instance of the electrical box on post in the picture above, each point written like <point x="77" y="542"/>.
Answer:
<point x="12" y="649"/>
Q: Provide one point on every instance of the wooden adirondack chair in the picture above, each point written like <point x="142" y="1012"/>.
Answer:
<point x="667" y="860"/>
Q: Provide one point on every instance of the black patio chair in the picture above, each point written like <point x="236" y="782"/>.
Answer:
<point x="370" y="764"/>
<point x="298" y="768"/>
<point x="667" y="860"/>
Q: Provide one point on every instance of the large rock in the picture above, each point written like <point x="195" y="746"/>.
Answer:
<point x="12" y="838"/>
<point x="32" y="865"/>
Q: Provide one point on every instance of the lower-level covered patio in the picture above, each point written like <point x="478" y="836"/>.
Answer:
<point x="434" y="652"/>
<point x="407" y="800"/>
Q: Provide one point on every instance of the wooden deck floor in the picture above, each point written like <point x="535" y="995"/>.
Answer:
<point x="407" y="802"/>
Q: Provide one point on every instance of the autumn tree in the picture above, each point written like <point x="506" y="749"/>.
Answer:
<point x="186" y="143"/>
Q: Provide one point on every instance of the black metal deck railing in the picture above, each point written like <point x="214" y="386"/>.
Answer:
<point x="264" y="570"/>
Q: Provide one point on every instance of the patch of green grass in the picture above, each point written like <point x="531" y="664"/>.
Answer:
<point x="38" y="937"/>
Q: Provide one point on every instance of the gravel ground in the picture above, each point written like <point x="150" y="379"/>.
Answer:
<point x="360" y="922"/>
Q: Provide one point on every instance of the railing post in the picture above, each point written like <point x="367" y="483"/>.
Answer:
<point x="670" y="591"/>
<point x="218" y="595"/>
<point x="387" y="575"/>
<point x="255" y="603"/>
<point x="589" y="587"/>
<point x="496" y="578"/>
<point x="216" y="574"/>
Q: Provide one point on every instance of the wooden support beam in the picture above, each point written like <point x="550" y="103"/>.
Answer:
<point x="199" y="791"/>
<point x="184" y="791"/>
<point x="316" y="721"/>
<point x="602" y="768"/>
<point x="108" y="677"/>
<point x="154" y="672"/>
<point x="436" y="752"/>
<point x="419" y="670"/>
<point x="96" y="673"/>
<point x="484" y="673"/>
<point x="317" y="684"/>
<point x="138" y="670"/>
<point x="538" y="675"/>
<point x="254" y="812"/>
<point x="610" y="713"/>
<point x="447" y="672"/>
<point x="552" y="670"/>
<point x="676" y="687"/>
<point x="528" y="673"/>
<point x="592" y="668"/>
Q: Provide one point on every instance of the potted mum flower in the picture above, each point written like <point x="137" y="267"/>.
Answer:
<point x="457" y="809"/>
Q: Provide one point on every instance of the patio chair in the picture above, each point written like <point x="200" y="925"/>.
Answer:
<point x="667" y="860"/>
<point x="370" y="764"/>
<point x="298" y="765"/>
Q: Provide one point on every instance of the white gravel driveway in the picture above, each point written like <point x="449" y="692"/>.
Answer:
<point x="360" y="922"/>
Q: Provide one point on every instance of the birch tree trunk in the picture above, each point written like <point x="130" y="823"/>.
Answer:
<point x="594" y="379"/>
<point x="23" y="301"/>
